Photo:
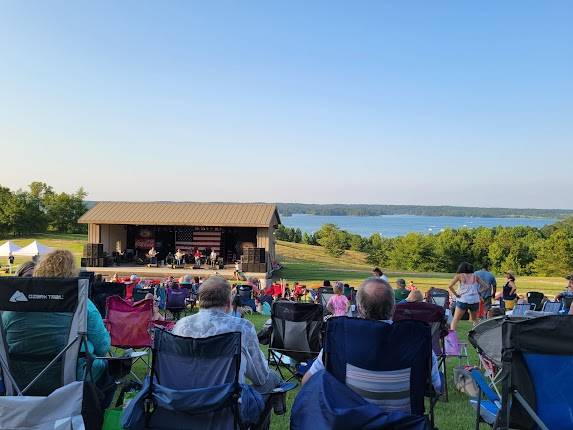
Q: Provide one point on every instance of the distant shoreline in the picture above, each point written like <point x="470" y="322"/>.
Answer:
<point x="288" y="209"/>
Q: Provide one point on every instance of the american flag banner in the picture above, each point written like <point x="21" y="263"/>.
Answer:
<point x="207" y="239"/>
<point x="184" y="239"/>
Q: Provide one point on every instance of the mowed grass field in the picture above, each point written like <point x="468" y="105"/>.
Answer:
<point x="310" y="265"/>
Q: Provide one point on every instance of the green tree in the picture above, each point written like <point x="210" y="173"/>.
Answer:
<point x="555" y="255"/>
<point x="332" y="239"/>
<point x="63" y="210"/>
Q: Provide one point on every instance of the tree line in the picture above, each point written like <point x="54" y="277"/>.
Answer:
<point x="40" y="209"/>
<point x="287" y="209"/>
<point x="546" y="251"/>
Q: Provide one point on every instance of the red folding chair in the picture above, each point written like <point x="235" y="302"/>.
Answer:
<point x="130" y="325"/>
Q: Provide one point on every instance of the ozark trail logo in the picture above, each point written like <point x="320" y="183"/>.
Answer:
<point x="18" y="296"/>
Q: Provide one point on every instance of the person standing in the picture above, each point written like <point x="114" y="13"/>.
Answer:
<point x="10" y="262"/>
<point x="338" y="305"/>
<point x="468" y="295"/>
<point x="377" y="273"/>
<point x="509" y="292"/>
<point x="213" y="258"/>
<point x="485" y="275"/>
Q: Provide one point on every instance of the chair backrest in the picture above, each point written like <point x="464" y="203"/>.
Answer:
<point x="296" y="329"/>
<point x="324" y="295"/>
<point x="176" y="298"/>
<point x="438" y="296"/>
<point x="129" y="323"/>
<point x="45" y="357"/>
<point x="245" y="291"/>
<point x="140" y="293"/>
<point x="202" y="369"/>
<point x="432" y="314"/>
<point x="536" y="298"/>
<point x="552" y="307"/>
<point x="521" y="308"/>
<point x="387" y="364"/>
<point x="100" y="291"/>
<point x="537" y="361"/>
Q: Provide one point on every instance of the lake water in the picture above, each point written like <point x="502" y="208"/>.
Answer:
<point x="399" y="225"/>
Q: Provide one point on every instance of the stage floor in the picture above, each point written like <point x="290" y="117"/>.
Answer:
<point x="165" y="271"/>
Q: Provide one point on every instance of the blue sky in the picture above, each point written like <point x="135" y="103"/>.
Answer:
<point x="405" y="102"/>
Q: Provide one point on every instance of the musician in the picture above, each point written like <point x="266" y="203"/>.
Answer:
<point x="152" y="255"/>
<point x="198" y="256"/>
<point x="179" y="255"/>
<point x="213" y="258"/>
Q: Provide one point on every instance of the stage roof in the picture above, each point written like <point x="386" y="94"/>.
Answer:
<point x="189" y="214"/>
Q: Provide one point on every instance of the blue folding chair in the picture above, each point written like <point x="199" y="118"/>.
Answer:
<point x="386" y="364"/>
<point x="176" y="301"/>
<point x="537" y="358"/>
<point x="194" y="384"/>
<point x="551" y="307"/>
<point x="520" y="309"/>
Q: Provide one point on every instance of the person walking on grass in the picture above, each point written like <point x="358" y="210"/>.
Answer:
<point x="468" y="294"/>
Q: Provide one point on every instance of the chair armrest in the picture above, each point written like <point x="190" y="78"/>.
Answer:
<point x="484" y="387"/>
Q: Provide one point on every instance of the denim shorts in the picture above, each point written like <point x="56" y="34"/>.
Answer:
<point x="467" y="306"/>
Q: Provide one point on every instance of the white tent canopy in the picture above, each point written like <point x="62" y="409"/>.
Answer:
<point x="35" y="248"/>
<point x="8" y="248"/>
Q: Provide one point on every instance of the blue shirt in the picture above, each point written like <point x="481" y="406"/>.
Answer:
<point x="489" y="279"/>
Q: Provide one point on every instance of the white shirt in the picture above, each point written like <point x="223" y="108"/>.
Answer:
<point x="384" y="277"/>
<point x="318" y="365"/>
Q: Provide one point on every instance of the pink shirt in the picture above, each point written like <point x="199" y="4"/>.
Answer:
<point x="338" y="304"/>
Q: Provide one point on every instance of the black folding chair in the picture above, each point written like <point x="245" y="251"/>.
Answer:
<point x="296" y="336"/>
<point x="536" y="298"/>
<point x="100" y="291"/>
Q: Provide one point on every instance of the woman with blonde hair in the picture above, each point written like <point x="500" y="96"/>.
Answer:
<point x="44" y="334"/>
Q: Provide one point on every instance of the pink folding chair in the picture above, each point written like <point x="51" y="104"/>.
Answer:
<point x="130" y="325"/>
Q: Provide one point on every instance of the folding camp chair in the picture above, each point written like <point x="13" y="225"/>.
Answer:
<point x="100" y="291"/>
<point x="295" y="336"/>
<point x="536" y="298"/>
<point x="520" y="309"/>
<point x="537" y="357"/>
<point x="194" y="384"/>
<point x="40" y="389"/>
<point x="386" y="364"/>
<point x="551" y="307"/>
<point x="434" y="315"/>
<point x="140" y="293"/>
<point x="438" y="296"/>
<point x="176" y="301"/>
<point x="129" y="325"/>
<point x="324" y="295"/>
<point x="245" y="292"/>
<point x="486" y="339"/>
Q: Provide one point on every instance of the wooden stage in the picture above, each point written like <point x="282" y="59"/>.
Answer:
<point x="165" y="271"/>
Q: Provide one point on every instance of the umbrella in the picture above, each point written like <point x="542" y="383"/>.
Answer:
<point x="8" y="248"/>
<point x="35" y="248"/>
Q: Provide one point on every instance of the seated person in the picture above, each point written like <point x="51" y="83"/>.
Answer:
<point x="375" y="301"/>
<point x="414" y="296"/>
<point x="401" y="293"/>
<point x="568" y="292"/>
<point x="214" y="318"/>
<point x="299" y="291"/>
<point x="45" y="334"/>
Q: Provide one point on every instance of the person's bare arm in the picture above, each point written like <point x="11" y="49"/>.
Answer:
<point x="455" y="280"/>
